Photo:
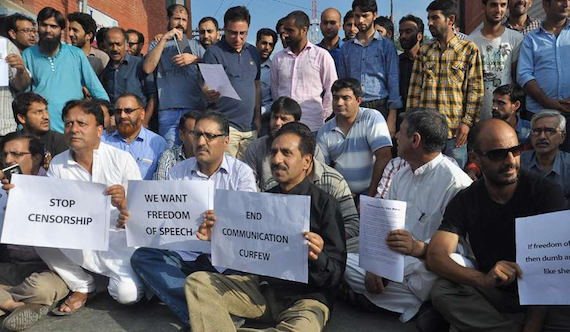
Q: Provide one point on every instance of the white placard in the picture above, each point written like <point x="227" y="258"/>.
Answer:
<point x="543" y="254"/>
<point x="167" y="214"/>
<point x="262" y="233"/>
<point x="378" y="217"/>
<point x="3" y="201"/>
<point x="57" y="213"/>
<point x="4" y="69"/>
<point x="216" y="78"/>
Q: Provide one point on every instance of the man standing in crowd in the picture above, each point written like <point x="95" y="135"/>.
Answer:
<point x="279" y="29"/>
<point x="242" y="65"/>
<point x="294" y="306"/>
<point x="356" y="142"/>
<point x="304" y="72"/>
<point x="173" y="61"/>
<point x="373" y="61"/>
<point x="411" y="36"/>
<point x="385" y="27"/>
<point x="135" y="42"/>
<point x="164" y="271"/>
<point x="59" y="71"/>
<point x="131" y="136"/>
<point x="543" y="64"/>
<point x="208" y="32"/>
<point x="546" y="159"/>
<point x="508" y="101"/>
<point x="499" y="48"/>
<point x="21" y="31"/>
<point x="518" y="18"/>
<point x="349" y="26"/>
<point x="485" y="213"/>
<point x="448" y="76"/>
<point x="330" y="27"/>
<point x="82" y="29"/>
<point x="266" y="41"/>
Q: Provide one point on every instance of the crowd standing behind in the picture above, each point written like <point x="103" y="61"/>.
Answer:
<point x="469" y="131"/>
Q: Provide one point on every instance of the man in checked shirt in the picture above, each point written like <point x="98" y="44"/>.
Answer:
<point x="448" y="76"/>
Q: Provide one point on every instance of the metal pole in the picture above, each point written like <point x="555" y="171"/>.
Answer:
<point x="84" y="8"/>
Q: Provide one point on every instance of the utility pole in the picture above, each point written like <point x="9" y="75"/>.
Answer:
<point x="314" y="32"/>
<point x="392" y="18"/>
<point x="84" y="8"/>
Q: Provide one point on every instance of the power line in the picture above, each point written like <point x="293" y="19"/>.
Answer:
<point x="220" y="6"/>
<point x="294" y="5"/>
<point x="248" y="3"/>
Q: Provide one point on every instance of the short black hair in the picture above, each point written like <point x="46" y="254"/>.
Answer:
<point x="22" y="103"/>
<point x="211" y="19"/>
<point x="431" y="126"/>
<point x="349" y="15"/>
<point x="188" y="115"/>
<point x="301" y="19"/>
<point x="172" y="8"/>
<point x="386" y="23"/>
<point x="308" y="140"/>
<point x="236" y="14"/>
<point x="140" y="102"/>
<point x="447" y="7"/>
<point x="86" y="21"/>
<point x="281" y="22"/>
<point x="348" y="83"/>
<point x="140" y="36"/>
<point x="288" y="106"/>
<point x="267" y="32"/>
<point x="100" y="36"/>
<point x="106" y="103"/>
<point x="365" y="5"/>
<point x="514" y="91"/>
<point x="12" y="21"/>
<point x="219" y="118"/>
<point x="35" y="146"/>
<point x="88" y="107"/>
<point x="418" y="21"/>
<point x="50" y="12"/>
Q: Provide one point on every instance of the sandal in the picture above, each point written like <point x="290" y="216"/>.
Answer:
<point x="72" y="303"/>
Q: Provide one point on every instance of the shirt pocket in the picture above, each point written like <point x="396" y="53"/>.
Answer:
<point x="457" y="72"/>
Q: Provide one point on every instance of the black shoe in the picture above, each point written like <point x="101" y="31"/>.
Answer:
<point x="430" y="320"/>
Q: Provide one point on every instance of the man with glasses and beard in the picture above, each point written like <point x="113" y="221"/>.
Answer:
<point x="131" y="136"/>
<point x="473" y="300"/>
<point x="59" y="71"/>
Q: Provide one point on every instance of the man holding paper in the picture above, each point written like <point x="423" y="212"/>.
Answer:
<point x="427" y="183"/>
<point x="293" y="306"/>
<point x="474" y="299"/>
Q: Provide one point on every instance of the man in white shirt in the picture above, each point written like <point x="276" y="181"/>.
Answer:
<point x="426" y="184"/>
<point x="88" y="159"/>
<point x="164" y="271"/>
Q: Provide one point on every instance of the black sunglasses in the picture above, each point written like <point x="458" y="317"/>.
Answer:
<point x="501" y="154"/>
<point x="126" y="110"/>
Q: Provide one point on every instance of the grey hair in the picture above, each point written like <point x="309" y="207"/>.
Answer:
<point x="549" y="114"/>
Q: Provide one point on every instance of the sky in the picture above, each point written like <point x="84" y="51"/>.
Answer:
<point x="266" y="13"/>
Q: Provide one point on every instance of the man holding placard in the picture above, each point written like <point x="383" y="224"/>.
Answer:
<point x="164" y="271"/>
<point x="298" y="307"/>
<point x="470" y="299"/>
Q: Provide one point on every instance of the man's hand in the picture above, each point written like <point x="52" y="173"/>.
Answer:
<point x="461" y="135"/>
<point x="15" y="61"/>
<point x="391" y="123"/>
<point x="374" y="284"/>
<point x="117" y="193"/>
<point x="6" y="185"/>
<point x="123" y="218"/>
<point x="205" y="231"/>
<point x="174" y="33"/>
<point x="558" y="105"/>
<point x="315" y="243"/>
<point x="158" y="37"/>
<point x="400" y="241"/>
<point x="211" y="95"/>
<point x="502" y="274"/>
<point x="184" y="59"/>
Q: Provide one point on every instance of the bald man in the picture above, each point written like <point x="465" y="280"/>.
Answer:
<point x="330" y="27"/>
<point x="473" y="300"/>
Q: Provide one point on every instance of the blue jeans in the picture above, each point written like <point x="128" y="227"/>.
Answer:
<point x="168" y="125"/>
<point x="459" y="154"/>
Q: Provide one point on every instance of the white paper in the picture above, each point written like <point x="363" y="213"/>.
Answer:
<point x="3" y="201"/>
<point x="167" y="214"/>
<point x="57" y="213"/>
<point x="280" y="220"/>
<point x="216" y="78"/>
<point x="378" y="217"/>
<point x="4" y="69"/>
<point x="543" y="254"/>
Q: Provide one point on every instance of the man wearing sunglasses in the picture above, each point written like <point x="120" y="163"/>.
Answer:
<point x="547" y="135"/>
<point x="473" y="300"/>
<point x="131" y="136"/>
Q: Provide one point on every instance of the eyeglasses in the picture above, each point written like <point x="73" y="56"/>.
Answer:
<point x="208" y="136"/>
<point x="126" y="110"/>
<point x="501" y="154"/>
<point x="547" y="131"/>
<point x="28" y="31"/>
<point x="14" y="154"/>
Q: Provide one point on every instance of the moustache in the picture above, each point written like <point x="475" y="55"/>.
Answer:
<point x="543" y="141"/>
<point x="202" y="148"/>
<point x="506" y="168"/>
<point x="277" y="167"/>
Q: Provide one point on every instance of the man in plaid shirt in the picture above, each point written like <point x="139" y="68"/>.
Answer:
<point x="448" y="76"/>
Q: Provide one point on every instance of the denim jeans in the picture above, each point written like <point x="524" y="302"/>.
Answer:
<point x="459" y="154"/>
<point x="168" y="125"/>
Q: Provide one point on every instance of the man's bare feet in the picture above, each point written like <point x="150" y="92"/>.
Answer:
<point x="10" y="305"/>
<point x="73" y="303"/>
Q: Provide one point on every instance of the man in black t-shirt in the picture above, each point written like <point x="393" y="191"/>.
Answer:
<point x="473" y="300"/>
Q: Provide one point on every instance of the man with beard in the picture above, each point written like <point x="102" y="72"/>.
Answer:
<point x="330" y="27"/>
<point x="279" y="28"/>
<point x="135" y="42"/>
<point x="485" y="213"/>
<point x="543" y="69"/>
<point x="373" y="60"/>
<point x="172" y="58"/>
<point x="385" y="27"/>
<point x="21" y="31"/>
<point x="448" y="76"/>
<point x="518" y="18"/>
<point x="349" y="26"/>
<point x="304" y="72"/>
<point x="82" y="28"/>
<point x="499" y="48"/>
<point x="124" y="73"/>
<point x="548" y="133"/>
<point x="131" y="136"/>
<point x="59" y="71"/>
<point x="265" y="44"/>
<point x="208" y="32"/>
<point x="411" y="36"/>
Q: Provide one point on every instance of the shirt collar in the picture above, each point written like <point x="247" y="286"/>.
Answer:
<point x="266" y="63"/>
<point x="358" y="118"/>
<point x="338" y="45"/>
<point x="307" y="47"/>
<point x="429" y="167"/>
<point x="519" y="127"/>
<point x="300" y="189"/>
<point x="376" y="36"/>
<point x="318" y="170"/>
<point x="224" y="166"/>
<point x="556" y="166"/>
<point x="61" y="47"/>
<point x="526" y="23"/>
<point x="567" y="26"/>
<point x="71" y="161"/>
<point x="224" y="44"/>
